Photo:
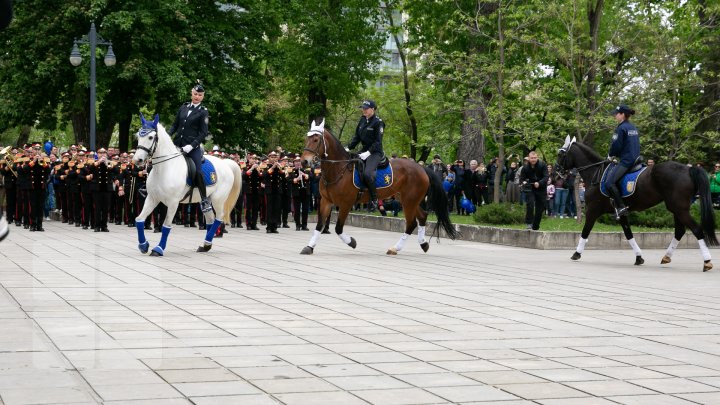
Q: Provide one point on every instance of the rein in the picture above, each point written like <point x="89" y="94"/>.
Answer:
<point x="152" y="150"/>
<point x="598" y="173"/>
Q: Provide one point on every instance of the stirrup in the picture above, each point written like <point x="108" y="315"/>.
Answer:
<point x="205" y="205"/>
<point x="372" y="205"/>
<point x="621" y="212"/>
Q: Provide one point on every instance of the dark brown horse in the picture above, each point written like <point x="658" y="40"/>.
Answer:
<point x="673" y="183"/>
<point x="411" y="182"/>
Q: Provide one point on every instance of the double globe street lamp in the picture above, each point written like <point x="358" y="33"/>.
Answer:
<point x="93" y="39"/>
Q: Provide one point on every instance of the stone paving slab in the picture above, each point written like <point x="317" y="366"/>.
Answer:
<point x="88" y="319"/>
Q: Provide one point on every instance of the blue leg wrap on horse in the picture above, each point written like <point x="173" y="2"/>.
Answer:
<point x="140" y="225"/>
<point x="211" y="232"/>
<point x="163" y="239"/>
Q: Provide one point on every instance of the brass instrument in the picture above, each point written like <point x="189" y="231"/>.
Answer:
<point x="8" y="159"/>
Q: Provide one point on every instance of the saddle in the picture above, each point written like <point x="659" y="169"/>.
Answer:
<point x="384" y="162"/>
<point x="383" y="174"/>
<point x="192" y="170"/>
<point x="628" y="183"/>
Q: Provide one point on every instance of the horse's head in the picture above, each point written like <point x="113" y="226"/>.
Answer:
<point x="147" y="139"/>
<point x="315" y="143"/>
<point x="565" y="160"/>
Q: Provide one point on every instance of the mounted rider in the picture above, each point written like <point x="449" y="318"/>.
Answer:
<point x="626" y="148"/>
<point x="369" y="133"/>
<point x="191" y="127"/>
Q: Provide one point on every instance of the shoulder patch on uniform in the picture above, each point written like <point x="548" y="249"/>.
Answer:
<point x="204" y="108"/>
<point x="207" y="120"/>
<point x="615" y="136"/>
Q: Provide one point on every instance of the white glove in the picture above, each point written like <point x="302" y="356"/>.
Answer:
<point x="364" y="155"/>
<point x="187" y="148"/>
<point x="347" y="149"/>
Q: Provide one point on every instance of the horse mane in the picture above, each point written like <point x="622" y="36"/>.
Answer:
<point x="338" y="145"/>
<point x="588" y="151"/>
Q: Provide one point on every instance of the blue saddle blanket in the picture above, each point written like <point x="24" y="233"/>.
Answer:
<point x="628" y="184"/>
<point x="209" y="174"/>
<point x="383" y="178"/>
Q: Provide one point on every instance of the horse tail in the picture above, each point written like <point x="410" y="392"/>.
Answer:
<point x="707" y="215"/>
<point x="438" y="198"/>
<point x="235" y="190"/>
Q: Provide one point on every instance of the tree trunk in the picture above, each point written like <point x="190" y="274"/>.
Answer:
<point x="317" y="102"/>
<point x="710" y="19"/>
<point x="472" y="139"/>
<point x="594" y="14"/>
<point x="500" y="137"/>
<point x="81" y="126"/>
<point x="124" y="133"/>
<point x="23" y="136"/>
<point x="406" y="87"/>
<point x="102" y="137"/>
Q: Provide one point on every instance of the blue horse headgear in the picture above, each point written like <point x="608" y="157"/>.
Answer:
<point x="148" y="126"/>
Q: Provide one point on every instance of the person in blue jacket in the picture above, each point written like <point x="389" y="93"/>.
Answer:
<point x="626" y="148"/>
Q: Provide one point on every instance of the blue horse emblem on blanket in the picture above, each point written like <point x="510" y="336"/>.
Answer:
<point x="627" y="184"/>
<point x="209" y="174"/>
<point x="383" y="177"/>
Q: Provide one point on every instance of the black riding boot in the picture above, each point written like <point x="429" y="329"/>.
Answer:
<point x="373" y="203"/>
<point x="620" y="208"/>
<point x="205" y="204"/>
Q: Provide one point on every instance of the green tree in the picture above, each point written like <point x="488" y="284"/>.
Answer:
<point x="327" y="51"/>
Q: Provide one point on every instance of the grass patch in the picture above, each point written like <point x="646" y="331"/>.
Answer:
<point x="547" y="224"/>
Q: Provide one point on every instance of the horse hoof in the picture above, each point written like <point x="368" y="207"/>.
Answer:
<point x="307" y="250"/>
<point x="144" y="247"/>
<point x="575" y="256"/>
<point x="157" y="252"/>
<point x="707" y="266"/>
<point x="352" y="243"/>
<point x="204" y="248"/>
<point x="425" y="246"/>
<point x="392" y="251"/>
<point x="326" y="231"/>
<point x="665" y="260"/>
<point x="639" y="260"/>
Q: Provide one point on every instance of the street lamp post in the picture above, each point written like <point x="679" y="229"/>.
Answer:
<point x="93" y="39"/>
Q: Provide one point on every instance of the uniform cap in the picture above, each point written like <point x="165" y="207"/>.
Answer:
<point x="199" y="87"/>
<point x="622" y="108"/>
<point x="298" y="159"/>
<point x="82" y="152"/>
<point x="273" y="153"/>
<point x="102" y="150"/>
<point x="368" y="104"/>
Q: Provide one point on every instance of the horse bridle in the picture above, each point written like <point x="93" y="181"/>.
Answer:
<point x="151" y="151"/>
<point x="316" y="153"/>
<point x="561" y="164"/>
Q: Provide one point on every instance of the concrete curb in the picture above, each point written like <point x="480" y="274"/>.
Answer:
<point x="516" y="237"/>
<point x="528" y="239"/>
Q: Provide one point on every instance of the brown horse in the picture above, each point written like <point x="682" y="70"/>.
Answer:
<point x="411" y="182"/>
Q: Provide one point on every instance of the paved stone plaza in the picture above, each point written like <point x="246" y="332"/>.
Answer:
<point x="87" y="319"/>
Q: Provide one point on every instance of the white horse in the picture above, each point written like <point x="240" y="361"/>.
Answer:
<point x="166" y="184"/>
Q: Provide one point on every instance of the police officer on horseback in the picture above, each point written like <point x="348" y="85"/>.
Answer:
<point x="369" y="133"/>
<point x="191" y="127"/>
<point x="626" y="148"/>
